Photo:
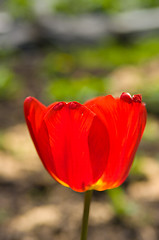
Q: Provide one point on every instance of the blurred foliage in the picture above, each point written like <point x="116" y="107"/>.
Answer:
<point x="116" y="54"/>
<point x="81" y="73"/>
<point x="152" y="130"/>
<point x="9" y="86"/>
<point x="75" y="90"/>
<point x="4" y="215"/>
<point x="6" y="54"/>
<point x="136" y="172"/>
<point x="122" y="205"/>
<point x="106" y="6"/>
<point x="151" y="96"/>
<point x="27" y="9"/>
<point x="106" y="56"/>
<point x="20" y="8"/>
<point x="2" y="147"/>
<point x="59" y="62"/>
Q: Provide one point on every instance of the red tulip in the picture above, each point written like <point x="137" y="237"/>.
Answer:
<point x="89" y="146"/>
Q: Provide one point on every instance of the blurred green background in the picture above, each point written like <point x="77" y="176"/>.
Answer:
<point x="32" y="205"/>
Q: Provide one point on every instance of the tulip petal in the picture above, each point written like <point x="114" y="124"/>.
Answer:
<point x="75" y="145"/>
<point x="34" y="112"/>
<point x="125" y="121"/>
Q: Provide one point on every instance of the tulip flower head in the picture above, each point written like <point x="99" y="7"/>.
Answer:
<point x="87" y="146"/>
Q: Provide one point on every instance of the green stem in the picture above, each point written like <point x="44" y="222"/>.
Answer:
<point x="87" y="200"/>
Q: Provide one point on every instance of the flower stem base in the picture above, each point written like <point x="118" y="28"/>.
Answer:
<point x="87" y="200"/>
